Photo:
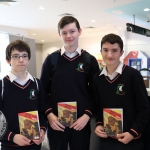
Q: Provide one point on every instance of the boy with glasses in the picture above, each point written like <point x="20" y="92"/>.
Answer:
<point x="17" y="98"/>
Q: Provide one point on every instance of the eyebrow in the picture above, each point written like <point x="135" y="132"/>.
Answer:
<point x="20" y="54"/>
<point x="111" y="49"/>
<point x="68" y="30"/>
<point x="115" y="49"/>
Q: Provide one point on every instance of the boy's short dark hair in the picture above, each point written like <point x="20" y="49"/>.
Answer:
<point x="112" y="38"/>
<point x="18" y="45"/>
<point x="67" y="20"/>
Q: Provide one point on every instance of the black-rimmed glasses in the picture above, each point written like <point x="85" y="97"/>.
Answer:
<point x="17" y="57"/>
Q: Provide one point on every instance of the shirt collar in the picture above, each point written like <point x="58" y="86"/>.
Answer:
<point x="78" y="50"/>
<point x="12" y="77"/>
<point x="118" y="70"/>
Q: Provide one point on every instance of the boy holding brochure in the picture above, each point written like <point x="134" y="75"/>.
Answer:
<point x="120" y="87"/>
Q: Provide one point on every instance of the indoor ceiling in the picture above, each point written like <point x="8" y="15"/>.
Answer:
<point x="110" y="15"/>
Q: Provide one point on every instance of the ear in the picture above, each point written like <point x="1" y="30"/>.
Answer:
<point x="59" y="35"/>
<point x="121" y="53"/>
<point x="100" y="51"/>
<point x="8" y="61"/>
<point x="80" y="31"/>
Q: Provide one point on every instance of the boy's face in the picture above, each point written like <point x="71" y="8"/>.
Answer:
<point x="69" y="35"/>
<point x="111" y="53"/>
<point x="18" y="64"/>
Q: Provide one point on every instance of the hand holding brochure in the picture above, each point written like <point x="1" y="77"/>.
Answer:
<point x="29" y="124"/>
<point x="67" y="113"/>
<point x="113" y="121"/>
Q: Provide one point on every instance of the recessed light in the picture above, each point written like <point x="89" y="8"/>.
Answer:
<point x="33" y="34"/>
<point x="120" y="28"/>
<point x="146" y="9"/>
<point x="42" y="40"/>
<point x="41" y="8"/>
<point x="93" y="21"/>
<point x="86" y="33"/>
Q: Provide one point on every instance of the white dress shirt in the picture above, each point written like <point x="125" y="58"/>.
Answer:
<point x="114" y="74"/>
<point x="12" y="78"/>
<point x="71" y="55"/>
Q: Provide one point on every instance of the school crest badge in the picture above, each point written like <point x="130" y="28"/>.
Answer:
<point x="80" y="67"/>
<point x="120" y="89"/>
<point x="32" y="94"/>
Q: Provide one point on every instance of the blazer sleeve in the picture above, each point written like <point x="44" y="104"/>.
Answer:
<point x="99" y="112"/>
<point x="94" y="68"/>
<point x="142" y="105"/>
<point x="41" y="107"/>
<point x="46" y="82"/>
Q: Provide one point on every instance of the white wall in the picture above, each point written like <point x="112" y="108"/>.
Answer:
<point x="48" y="48"/>
<point x="91" y="44"/>
<point x="137" y="42"/>
<point x="38" y="48"/>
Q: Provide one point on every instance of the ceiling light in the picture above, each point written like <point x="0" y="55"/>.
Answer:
<point x="41" y="8"/>
<point x="120" y="28"/>
<point x="42" y="40"/>
<point x="93" y="21"/>
<point x="86" y="33"/>
<point x="146" y="9"/>
<point x="33" y="34"/>
<point x="10" y="21"/>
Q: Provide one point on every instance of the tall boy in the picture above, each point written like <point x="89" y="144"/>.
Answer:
<point x="70" y="82"/>
<point x="17" y="98"/>
<point x="131" y="97"/>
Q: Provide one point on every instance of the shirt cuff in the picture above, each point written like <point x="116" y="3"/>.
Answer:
<point x="133" y="133"/>
<point x="42" y="127"/>
<point x="99" y="123"/>
<point x="48" y="111"/>
<point x="11" y="136"/>
<point x="89" y="113"/>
